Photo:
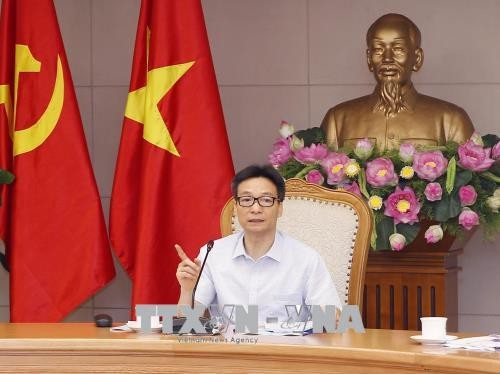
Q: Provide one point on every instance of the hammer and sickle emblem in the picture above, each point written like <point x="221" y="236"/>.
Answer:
<point x="32" y="137"/>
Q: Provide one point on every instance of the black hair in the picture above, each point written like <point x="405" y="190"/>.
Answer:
<point x="256" y="171"/>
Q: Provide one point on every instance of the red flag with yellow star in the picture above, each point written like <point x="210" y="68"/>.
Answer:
<point x="56" y="238"/>
<point x="174" y="166"/>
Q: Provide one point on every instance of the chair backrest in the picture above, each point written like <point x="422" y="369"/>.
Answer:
<point x="336" y="223"/>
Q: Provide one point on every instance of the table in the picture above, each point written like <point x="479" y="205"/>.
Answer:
<point x="82" y="347"/>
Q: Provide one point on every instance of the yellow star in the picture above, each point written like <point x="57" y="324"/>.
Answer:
<point x="142" y="104"/>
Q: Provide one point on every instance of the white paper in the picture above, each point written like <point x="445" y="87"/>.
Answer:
<point x="487" y="343"/>
<point x="122" y="328"/>
<point x="287" y="328"/>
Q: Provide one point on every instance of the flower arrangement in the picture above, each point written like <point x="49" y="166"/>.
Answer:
<point x="455" y="186"/>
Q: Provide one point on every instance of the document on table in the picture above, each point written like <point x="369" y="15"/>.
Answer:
<point x="287" y="328"/>
<point x="122" y="328"/>
<point x="487" y="343"/>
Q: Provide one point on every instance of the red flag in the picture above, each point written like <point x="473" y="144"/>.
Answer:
<point x="174" y="165"/>
<point x="58" y="249"/>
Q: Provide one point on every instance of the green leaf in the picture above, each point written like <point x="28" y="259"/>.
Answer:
<point x="290" y="168"/>
<point x="448" y="207"/>
<point x="313" y="135"/>
<point x="490" y="140"/>
<point x="490" y="176"/>
<point x="301" y="174"/>
<point x="450" y="174"/>
<point x="6" y="177"/>
<point x="495" y="168"/>
<point x="373" y="238"/>
<point x="462" y="178"/>
<point x="362" y="183"/>
<point x="488" y="186"/>
<point x="385" y="228"/>
<point x="451" y="149"/>
<point x="410" y="232"/>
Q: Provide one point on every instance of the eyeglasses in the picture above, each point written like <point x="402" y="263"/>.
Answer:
<point x="248" y="201"/>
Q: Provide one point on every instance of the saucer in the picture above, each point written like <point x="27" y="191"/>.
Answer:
<point x="428" y="341"/>
<point x="136" y="326"/>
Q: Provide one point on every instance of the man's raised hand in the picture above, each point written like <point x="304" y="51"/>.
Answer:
<point x="187" y="271"/>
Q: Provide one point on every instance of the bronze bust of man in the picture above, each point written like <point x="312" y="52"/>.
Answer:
<point x="395" y="112"/>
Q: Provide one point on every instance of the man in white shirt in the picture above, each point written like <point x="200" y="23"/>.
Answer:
<point x="259" y="266"/>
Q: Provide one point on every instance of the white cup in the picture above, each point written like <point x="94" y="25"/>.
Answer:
<point x="433" y="327"/>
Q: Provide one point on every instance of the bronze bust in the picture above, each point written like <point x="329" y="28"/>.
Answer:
<point x="395" y="112"/>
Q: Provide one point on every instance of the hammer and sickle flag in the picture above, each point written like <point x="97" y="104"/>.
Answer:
<point x="174" y="165"/>
<point x="51" y="218"/>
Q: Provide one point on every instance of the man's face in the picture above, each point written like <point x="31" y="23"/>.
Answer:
<point x="257" y="219"/>
<point x="392" y="55"/>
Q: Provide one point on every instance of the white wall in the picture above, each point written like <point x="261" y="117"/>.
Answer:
<point x="290" y="59"/>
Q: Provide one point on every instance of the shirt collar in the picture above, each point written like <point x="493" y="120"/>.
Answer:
<point x="276" y="252"/>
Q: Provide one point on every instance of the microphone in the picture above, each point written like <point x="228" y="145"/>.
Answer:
<point x="178" y="322"/>
<point x="210" y="245"/>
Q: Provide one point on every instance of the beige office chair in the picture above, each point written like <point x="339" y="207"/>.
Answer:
<point x="337" y="224"/>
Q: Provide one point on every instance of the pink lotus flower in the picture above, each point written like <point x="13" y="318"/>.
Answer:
<point x="312" y="154"/>
<point x="397" y="242"/>
<point x="281" y="152"/>
<point x="406" y="152"/>
<point x="433" y="234"/>
<point x="474" y="157"/>
<point x="467" y="195"/>
<point x="364" y="149"/>
<point x="468" y="219"/>
<point x="354" y="188"/>
<point x="433" y="191"/>
<point x="429" y="165"/>
<point x="380" y="172"/>
<point x="333" y="165"/>
<point x="495" y="151"/>
<point x="402" y="205"/>
<point x="315" y="176"/>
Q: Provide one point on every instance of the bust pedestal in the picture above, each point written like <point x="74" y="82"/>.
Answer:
<point x="421" y="280"/>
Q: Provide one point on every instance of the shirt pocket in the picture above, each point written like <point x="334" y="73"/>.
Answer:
<point x="420" y="141"/>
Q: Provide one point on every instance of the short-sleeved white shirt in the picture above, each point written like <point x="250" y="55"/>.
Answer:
<point x="290" y="273"/>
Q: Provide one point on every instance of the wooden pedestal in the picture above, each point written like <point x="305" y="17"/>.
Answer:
<point x="402" y="287"/>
